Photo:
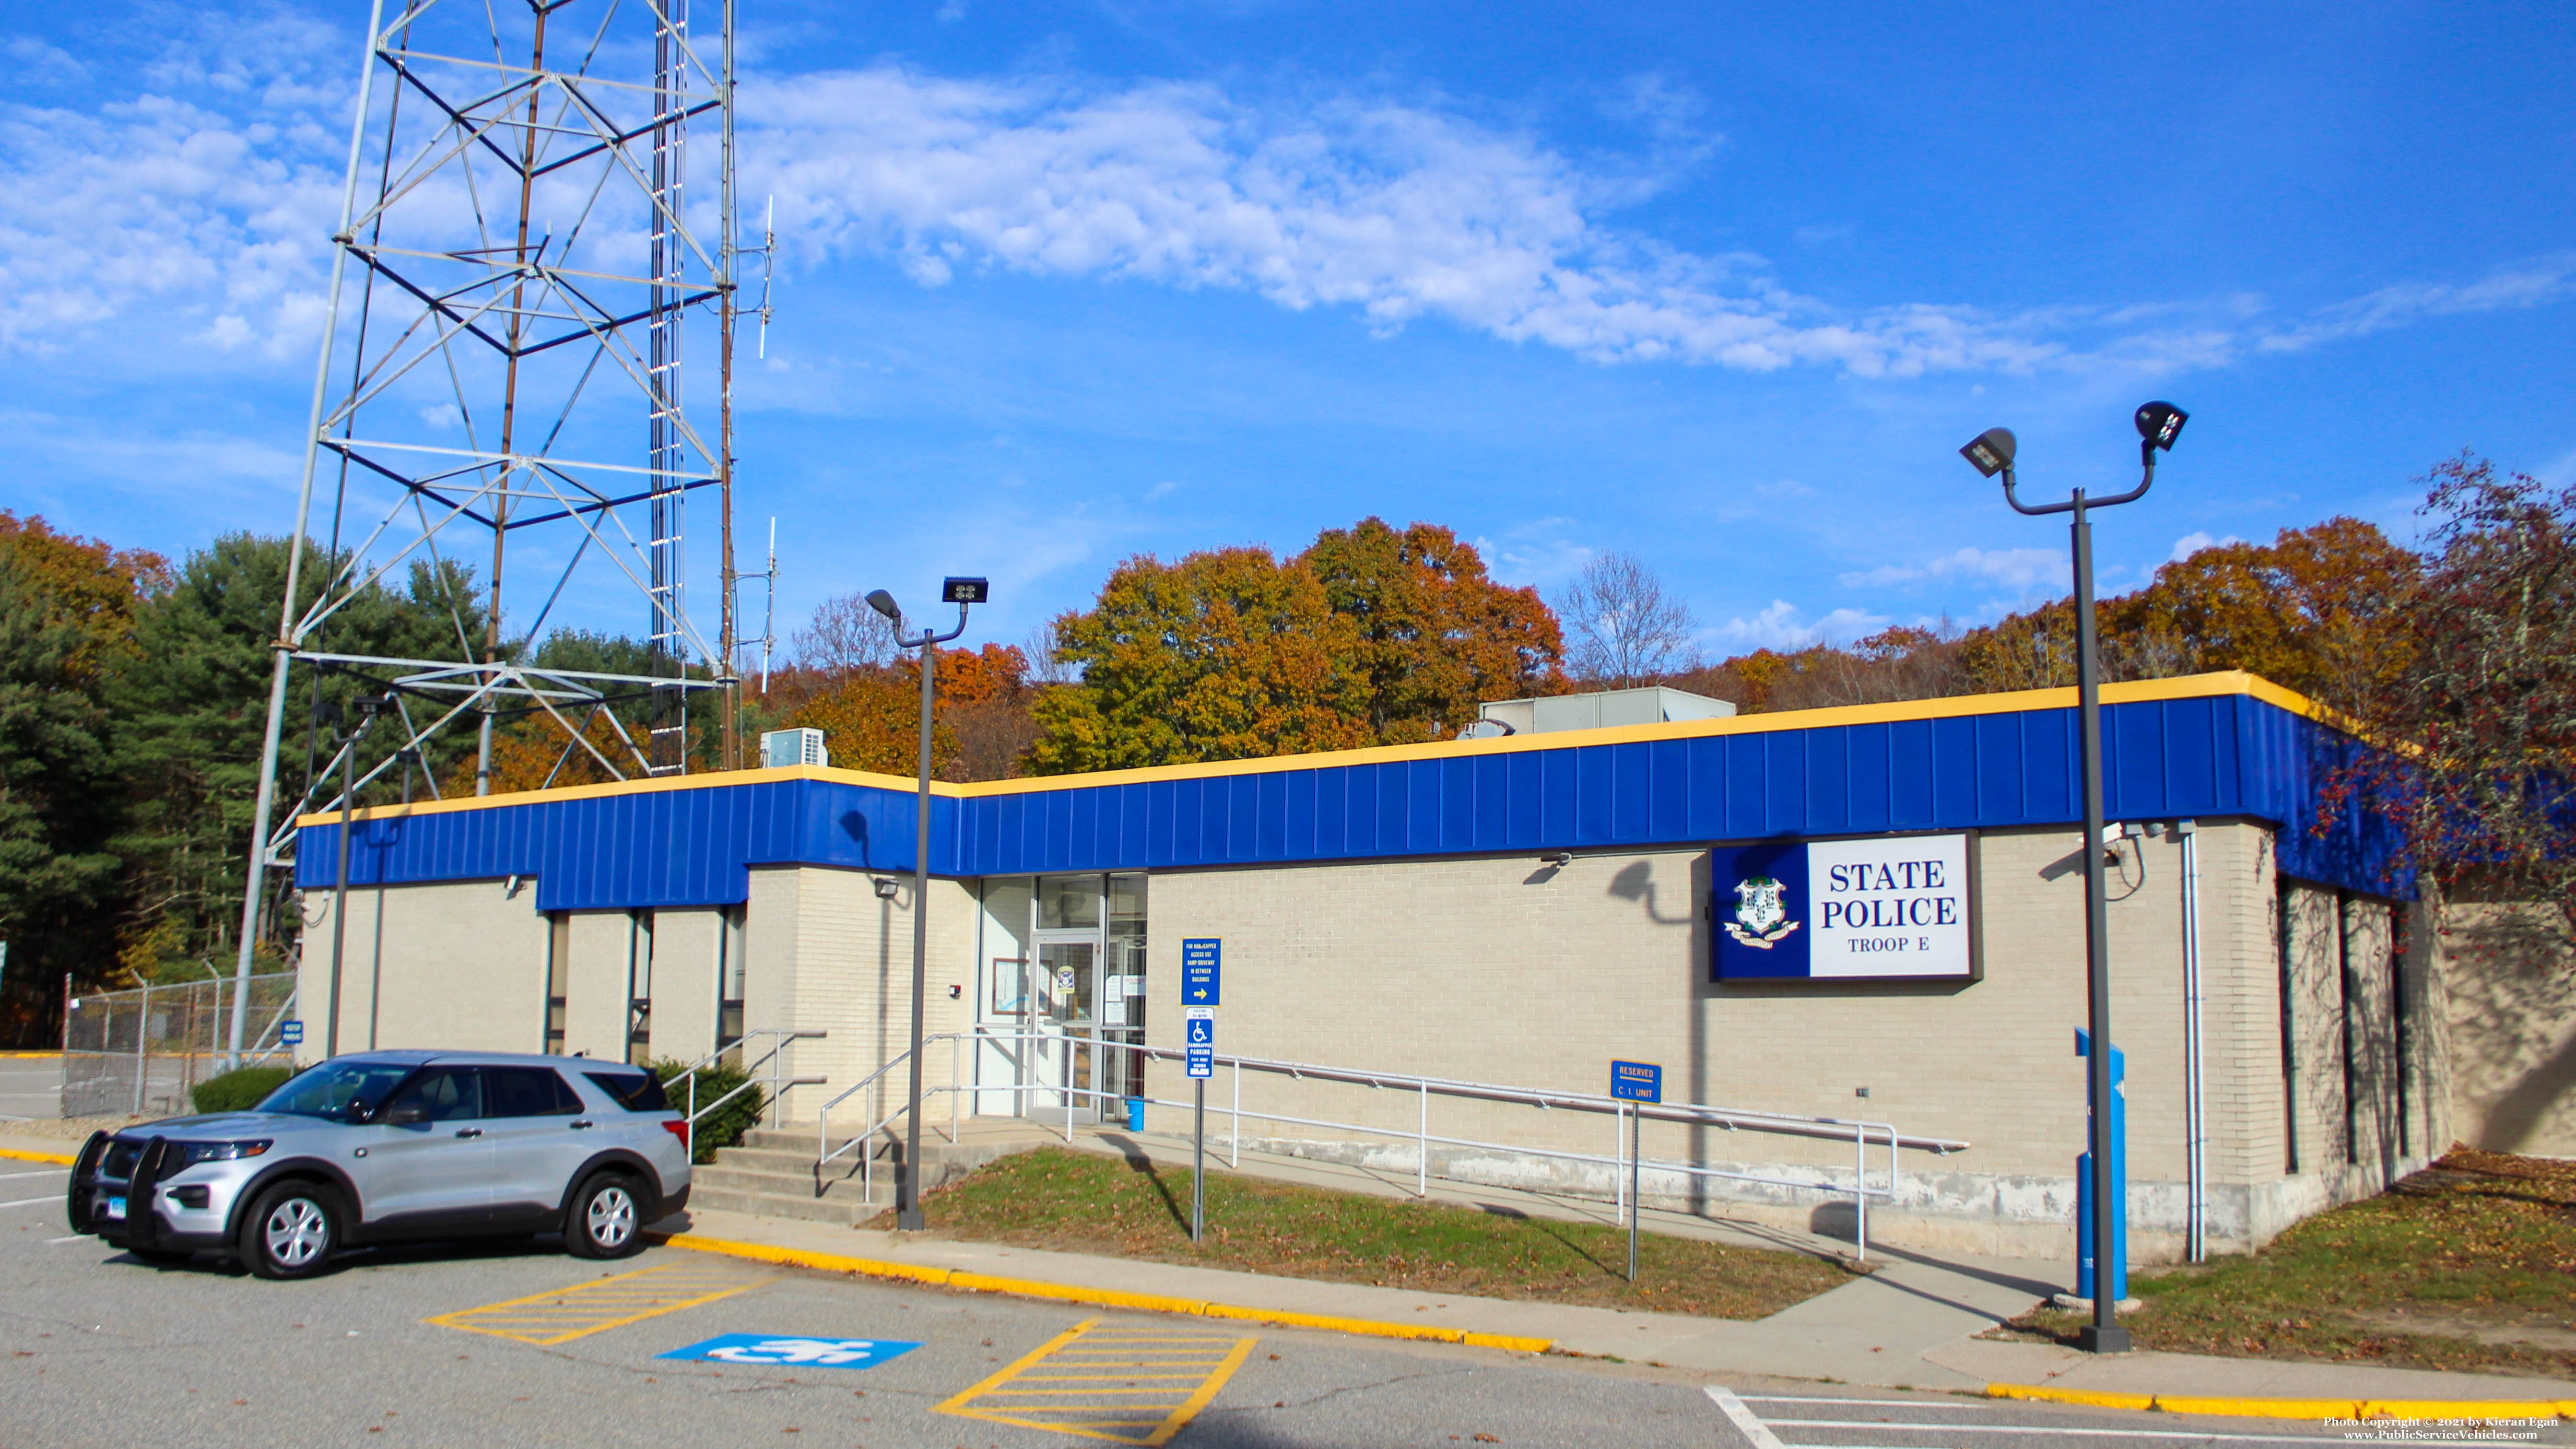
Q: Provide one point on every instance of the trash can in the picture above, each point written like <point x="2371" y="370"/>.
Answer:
<point x="1135" y="1114"/>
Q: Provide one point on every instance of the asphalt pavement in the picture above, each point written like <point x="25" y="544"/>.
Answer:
<point x="31" y="1086"/>
<point x="519" y="1344"/>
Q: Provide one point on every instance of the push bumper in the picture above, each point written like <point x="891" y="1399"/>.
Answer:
<point x="138" y="1210"/>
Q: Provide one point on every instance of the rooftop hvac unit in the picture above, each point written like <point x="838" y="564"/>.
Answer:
<point x="782" y="748"/>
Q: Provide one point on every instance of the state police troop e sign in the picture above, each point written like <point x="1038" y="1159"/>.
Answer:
<point x="1887" y="906"/>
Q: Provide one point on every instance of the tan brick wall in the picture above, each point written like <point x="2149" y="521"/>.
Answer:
<point x="827" y="954"/>
<point x="595" y="981"/>
<point x="2509" y="1027"/>
<point x="460" y="965"/>
<point x="685" y="957"/>
<point x="2310" y="918"/>
<point x="1496" y="970"/>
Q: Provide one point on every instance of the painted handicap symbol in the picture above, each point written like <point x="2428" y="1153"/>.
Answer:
<point x="775" y="1350"/>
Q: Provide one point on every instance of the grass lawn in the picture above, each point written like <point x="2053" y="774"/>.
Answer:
<point x="2469" y="1264"/>
<point x="1087" y="1203"/>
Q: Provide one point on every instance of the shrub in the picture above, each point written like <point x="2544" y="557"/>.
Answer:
<point x="724" y="1126"/>
<point x="240" y="1089"/>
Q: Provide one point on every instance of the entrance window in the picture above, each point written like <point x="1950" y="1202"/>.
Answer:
<point x="1122" y="994"/>
<point x="732" y="964"/>
<point x="558" y="967"/>
<point x="639" y="986"/>
<point x="1068" y="902"/>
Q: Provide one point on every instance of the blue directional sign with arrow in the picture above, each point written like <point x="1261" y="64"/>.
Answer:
<point x="1202" y="971"/>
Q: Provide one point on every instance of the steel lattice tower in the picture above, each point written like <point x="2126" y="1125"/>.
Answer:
<point x="517" y="255"/>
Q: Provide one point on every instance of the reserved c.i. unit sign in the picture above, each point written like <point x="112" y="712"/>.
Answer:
<point x="1881" y="906"/>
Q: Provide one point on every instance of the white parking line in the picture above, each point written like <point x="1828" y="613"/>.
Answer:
<point x="1754" y="1430"/>
<point x="48" y="1172"/>
<point x="74" y="1238"/>
<point x="1760" y="1435"/>
<point x="2193" y="1436"/>
<point x="56" y="1199"/>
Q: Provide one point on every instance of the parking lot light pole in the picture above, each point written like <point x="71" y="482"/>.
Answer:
<point x="961" y="592"/>
<point x="2159" y="423"/>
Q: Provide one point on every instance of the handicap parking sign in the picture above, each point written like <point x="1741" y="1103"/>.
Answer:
<point x="768" y="1350"/>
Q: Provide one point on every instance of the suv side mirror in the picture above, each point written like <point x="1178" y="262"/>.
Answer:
<point x="409" y="1114"/>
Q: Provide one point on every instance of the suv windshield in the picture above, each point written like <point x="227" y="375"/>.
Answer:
<point x="331" y="1089"/>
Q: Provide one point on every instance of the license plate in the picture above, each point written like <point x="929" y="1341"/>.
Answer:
<point x="116" y="1208"/>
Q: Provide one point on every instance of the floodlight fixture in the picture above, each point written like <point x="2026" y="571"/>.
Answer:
<point x="1991" y="452"/>
<point x="2160" y="423"/>
<point x="964" y="591"/>
<point x="883" y="603"/>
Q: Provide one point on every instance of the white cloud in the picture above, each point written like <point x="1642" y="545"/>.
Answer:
<point x="1398" y="211"/>
<point x="206" y="213"/>
<point x="2193" y="542"/>
<point x="2014" y="568"/>
<point x="1537" y="552"/>
<point x="1785" y="626"/>
<point x="32" y="62"/>
<point x="2532" y="283"/>
<point x="199" y="207"/>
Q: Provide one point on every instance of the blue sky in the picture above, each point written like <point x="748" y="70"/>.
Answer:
<point x="1723" y="287"/>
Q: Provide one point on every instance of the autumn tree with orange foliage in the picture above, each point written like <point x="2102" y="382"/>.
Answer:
<point x="1372" y="636"/>
<point x="870" y="714"/>
<point x="2317" y="610"/>
<point x="1432" y="636"/>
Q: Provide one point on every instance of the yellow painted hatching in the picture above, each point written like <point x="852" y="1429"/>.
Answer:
<point x="1125" y="1385"/>
<point x="565" y="1314"/>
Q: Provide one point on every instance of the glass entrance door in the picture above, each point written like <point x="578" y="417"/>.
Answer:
<point x="1068" y="990"/>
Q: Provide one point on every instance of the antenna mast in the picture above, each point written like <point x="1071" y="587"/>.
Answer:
<point x="512" y="270"/>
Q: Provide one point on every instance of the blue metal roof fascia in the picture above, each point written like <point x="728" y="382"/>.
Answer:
<point x="2220" y="755"/>
<point x="663" y="849"/>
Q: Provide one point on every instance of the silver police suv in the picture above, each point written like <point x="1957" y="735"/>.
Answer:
<point x="389" y="1147"/>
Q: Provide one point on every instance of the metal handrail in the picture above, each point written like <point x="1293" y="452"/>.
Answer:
<point x="1864" y="1135"/>
<point x="778" y="1080"/>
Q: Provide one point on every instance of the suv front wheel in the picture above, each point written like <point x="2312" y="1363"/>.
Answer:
<point x="606" y="1220"/>
<point x="291" y="1231"/>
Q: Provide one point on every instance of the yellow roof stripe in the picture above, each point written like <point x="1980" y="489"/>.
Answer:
<point x="2192" y="686"/>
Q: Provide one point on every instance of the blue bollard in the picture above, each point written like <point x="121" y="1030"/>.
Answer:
<point x="2119" y="1183"/>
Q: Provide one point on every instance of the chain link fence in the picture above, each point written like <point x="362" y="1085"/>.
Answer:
<point x="142" y="1051"/>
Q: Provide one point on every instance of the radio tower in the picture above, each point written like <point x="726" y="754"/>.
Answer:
<point x="517" y="255"/>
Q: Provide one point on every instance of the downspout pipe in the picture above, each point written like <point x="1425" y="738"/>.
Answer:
<point x="2195" y="1093"/>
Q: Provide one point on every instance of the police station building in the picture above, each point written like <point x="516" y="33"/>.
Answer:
<point x="1868" y="914"/>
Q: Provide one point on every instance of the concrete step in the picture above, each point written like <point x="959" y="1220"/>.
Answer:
<point x="791" y="1139"/>
<point x="771" y="1159"/>
<point x="781" y="1184"/>
<point x="774" y="1174"/>
<point x="847" y="1212"/>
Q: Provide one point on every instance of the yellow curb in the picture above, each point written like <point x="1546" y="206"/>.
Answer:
<point x="30" y="1056"/>
<point x="14" y="1155"/>
<point x="1097" y="1297"/>
<point x="2248" y="1408"/>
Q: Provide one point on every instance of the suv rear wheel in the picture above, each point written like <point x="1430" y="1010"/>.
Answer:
<point x="606" y="1220"/>
<point x="291" y="1231"/>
